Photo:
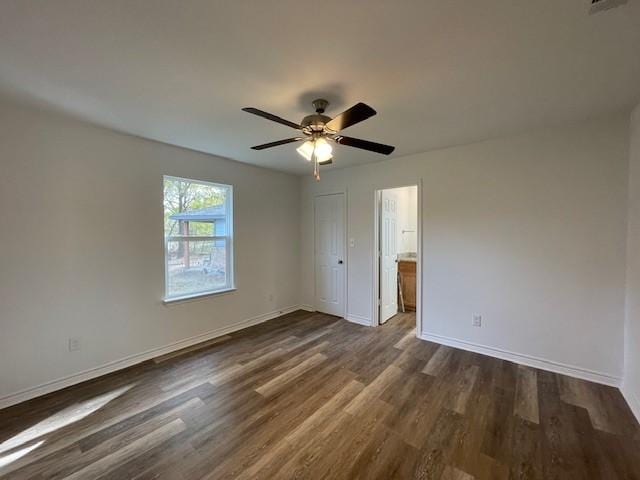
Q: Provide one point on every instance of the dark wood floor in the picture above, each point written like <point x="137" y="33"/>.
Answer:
<point x="311" y="396"/>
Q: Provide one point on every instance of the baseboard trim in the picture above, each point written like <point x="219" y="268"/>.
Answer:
<point x="528" y="360"/>
<point x="73" y="379"/>
<point x="358" y="319"/>
<point x="307" y="308"/>
<point x="632" y="400"/>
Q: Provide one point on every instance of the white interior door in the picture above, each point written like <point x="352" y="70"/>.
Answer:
<point x="329" y="254"/>
<point x="388" y="255"/>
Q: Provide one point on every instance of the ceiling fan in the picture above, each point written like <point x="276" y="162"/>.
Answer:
<point x="317" y="128"/>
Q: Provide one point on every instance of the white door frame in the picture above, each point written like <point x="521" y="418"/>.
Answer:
<point x="376" y="255"/>
<point x="344" y="244"/>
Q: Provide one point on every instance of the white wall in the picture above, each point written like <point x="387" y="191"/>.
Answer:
<point x="407" y="218"/>
<point x="631" y="386"/>
<point x="81" y="246"/>
<point x="528" y="231"/>
<point x="410" y="240"/>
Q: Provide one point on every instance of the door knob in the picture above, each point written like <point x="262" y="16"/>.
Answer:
<point x="340" y="262"/>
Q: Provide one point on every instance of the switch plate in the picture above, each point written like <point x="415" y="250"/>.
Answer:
<point x="352" y="242"/>
<point x="477" y="321"/>
<point x="74" y="344"/>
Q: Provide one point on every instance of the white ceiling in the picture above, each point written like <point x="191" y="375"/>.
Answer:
<point x="438" y="72"/>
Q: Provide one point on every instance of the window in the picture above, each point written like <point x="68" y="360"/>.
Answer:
<point x="198" y="237"/>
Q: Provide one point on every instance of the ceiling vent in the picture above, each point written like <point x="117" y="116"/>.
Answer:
<point x="602" y="5"/>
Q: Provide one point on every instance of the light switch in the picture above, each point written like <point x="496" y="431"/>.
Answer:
<point x="352" y="242"/>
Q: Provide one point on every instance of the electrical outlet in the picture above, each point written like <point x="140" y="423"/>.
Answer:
<point x="477" y="321"/>
<point x="74" y="344"/>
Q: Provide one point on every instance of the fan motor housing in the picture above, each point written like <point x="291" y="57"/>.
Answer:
<point x="315" y="122"/>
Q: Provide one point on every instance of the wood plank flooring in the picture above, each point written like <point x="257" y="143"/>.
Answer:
<point x="313" y="396"/>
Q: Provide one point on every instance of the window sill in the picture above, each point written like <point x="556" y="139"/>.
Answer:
<point x="197" y="296"/>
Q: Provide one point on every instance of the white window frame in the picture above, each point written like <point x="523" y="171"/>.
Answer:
<point x="228" y="239"/>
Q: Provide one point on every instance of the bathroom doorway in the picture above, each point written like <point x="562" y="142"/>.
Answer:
<point x="397" y="247"/>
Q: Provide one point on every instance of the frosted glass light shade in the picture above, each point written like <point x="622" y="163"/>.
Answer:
<point x="306" y="149"/>
<point x="323" y="150"/>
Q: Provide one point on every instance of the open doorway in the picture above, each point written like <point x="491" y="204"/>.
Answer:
<point x="397" y="265"/>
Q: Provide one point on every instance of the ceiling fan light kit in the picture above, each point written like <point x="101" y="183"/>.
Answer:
<point x="318" y="128"/>
<point x="318" y="148"/>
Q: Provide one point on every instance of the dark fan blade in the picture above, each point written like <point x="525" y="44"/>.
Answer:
<point x="364" y="144"/>
<point x="326" y="162"/>
<point x="275" y="144"/>
<point x="355" y="114"/>
<point x="270" y="116"/>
